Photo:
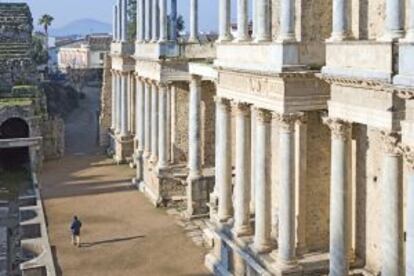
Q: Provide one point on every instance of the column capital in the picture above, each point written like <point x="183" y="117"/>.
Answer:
<point x="195" y="77"/>
<point x="409" y="157"/>
<point x="287" y="121"/>
<point x="391" y="142"/>
<point x="223" y="102"/>
<point x="241" y="108"/>
<point x="263" y="115"/>
<point x="340" y="129"/>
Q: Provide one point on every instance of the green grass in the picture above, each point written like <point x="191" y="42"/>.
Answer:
<point x="12" y="182"/>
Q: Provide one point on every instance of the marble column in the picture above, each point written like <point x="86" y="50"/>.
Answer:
<point x="394" y="20"/>
<point x="262" y="242"/>
<point x="193" y="21"/>
<point x="173" y="20"/>
<point x="392" y="206"/>
<point x="339" y="20"/>
<point x="287" y="20"/>
<point x="340" y="199"/>
<point x="254" y="19"/>
<point x="243" y="170"/>
<point x="115" y="24"/>
<point x="263" y="21"/>
<point x="410" y="23"/>
<point x="140" y="115"/>
<point x="147" y="120"/>
<point x="155" y="20"/>
<point x="242" y="20"/>
<point x="124" y="22"/>
<point x="163" y="21"/>
<point x="119" y="103"/>
<point x="148" y="19"/>
<point x="223" y="159"/>
<point x="141" y="20"/>
<point x="113" y="102"/>
<point x="194" y="128"/>
<point x="409" y="255"/>
<point x="224" y="20"/>
<point x="154" y="123"/>
<point x="119" y="21"/>
<point x="162" y="127"/>
<point x="124" y="105"/>
<point x="286" y="200"/>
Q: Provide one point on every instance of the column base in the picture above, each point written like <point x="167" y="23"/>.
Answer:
<point x="197" y="196"/>
<point x="242" y="231"/>
<point x="123" y="149"/>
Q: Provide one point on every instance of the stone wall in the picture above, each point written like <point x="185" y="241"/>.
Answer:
<point x="208" y="121"/>
<point x="179" y="123"/>
<point x="105" y="119"/>
<point x="53" y="132"/>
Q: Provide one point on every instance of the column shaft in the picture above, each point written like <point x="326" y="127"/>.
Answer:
<point x="223" y="160"/>
<point x="263" y="20"/>
<point x="124" y="105"/>
<point x="262" y="182"/>
<point x="139" y="114"/>
<point x="193" y="21"/>
<point x="394" y="19"/>
<point x="155" y="20"/>
<point x="243" y="170"/>
<point x="147" y="118"/>
<point x="287" y="20"/>
<point x="340" y="20"/>
<point x="410" y="34"/>
<point x="119" y="103"/>
<point x="162" y="127"/>
<point x="173" y="20"/>
<point x="194" y="128"/>
<point x="115" y="23"/>
<point x="224" y="20"/>
<point x="154" y="123"/>
<point x="242" y="20"/>
<point x="409" y="259"/>
<point x="163" y="21"/>
<point x="119" y="20"/>
<point x="113" y="102"/>
<point x="124" y="22"/>
<point x="141" y="20"/>
<point x="148" y="19"/>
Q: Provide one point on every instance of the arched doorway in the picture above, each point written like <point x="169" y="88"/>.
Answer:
<point x="14" y="158"/>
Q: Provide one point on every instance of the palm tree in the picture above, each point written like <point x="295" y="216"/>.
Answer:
<point x="45" y="21"/>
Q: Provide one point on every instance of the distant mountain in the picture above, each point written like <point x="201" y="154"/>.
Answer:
<point x="82" y="27"/>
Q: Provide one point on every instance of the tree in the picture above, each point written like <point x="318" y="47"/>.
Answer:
<point x="46" y="21"/>
<point x="39" y="53"/>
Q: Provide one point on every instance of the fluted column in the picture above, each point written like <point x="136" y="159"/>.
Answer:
<point x="119" y="38"/>
<point x="194" y="128"/>
<point x="243" y="170"/>
<point x="119" y="103"/>
<point x="394" y="18"/>
<point x="163" y="21"/>
<point x="115" y="23"/>
<point x="154" y="122"/>
<point x="147" y="120"/>
<point x="155" y="20"/>
<point x="262" y="183"/>
<point x="124" y="105"/>
<point x="287" y="20"/>
<point x="173" y="20"/>
<point x="162" y="127"/>
<point x="224" y="20"/>
<point x="410" y="23"/>
<point x="340" y="199"/>
<point x="392" y="206"/>
<point x="242" y="20"/>
<point x="193" y="21"/>
<point x="140" y="114"/>
<point x="263" y="20"/>
<point x="223" y="160"/>
<point x="339" y="20"/>
<point x="148" y="19"/>
<point x="409" y="255"/>
<point x="287" y="204"/>
<point x="124" y="22"/>
<point x="141" y="20"/>
<point x="113" y="102"/>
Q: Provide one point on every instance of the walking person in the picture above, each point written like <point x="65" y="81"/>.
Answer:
<point x="75" y="228"/>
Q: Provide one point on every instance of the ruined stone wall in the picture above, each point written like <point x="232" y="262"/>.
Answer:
<point x="105" y="119"/>
<point x="179" y="123"/>
<point x="208" y="121"/>
<point x="53" y="132"/>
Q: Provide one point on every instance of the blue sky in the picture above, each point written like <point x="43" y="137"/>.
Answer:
<point x="65" y="11"/>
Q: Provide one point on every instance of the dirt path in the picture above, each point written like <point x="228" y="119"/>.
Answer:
<point x="122" y="233"/>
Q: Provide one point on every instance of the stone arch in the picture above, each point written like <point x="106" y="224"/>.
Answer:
<point x="14" y="128"/>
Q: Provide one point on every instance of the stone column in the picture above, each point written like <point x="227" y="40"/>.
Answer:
<point x="124" y="19"/>
<point x="140" y="121"/>
<point x="409" y="255"/>
<point x="154" y="123"/>
<point x="392" y="206"/>
<point x="410" y="23"/>
<point x="339" y="20"/>
<point x="223" y="159"/>
<point x="193" y="21"/>
<point x="340" y="205"/>
<point x="243" y="170"/>
<point x="194" y="128"/>
<point x="162" y="127"/>
<point x="242" y="20"/>
<point x="155" y="20"/>
<point x="124" y="105"/>
<point x="147" y="120"/>
<point x="115" y="24"/>
<point x="173" y="20"/>
<point x="263" y="21"/>
<point x="163" y="21"/>
<point x="286" y="200"/>
<point x="254" y="19"/>
<point x="287" y="20"/>
<point x="119" y="103"/>
<point x="148" y="20"/>
<point x="141" y="20"/>
<point x="394" y="18"/>
<point x="262" y="181"/>
<point x="224" y="20"/>
<point x="113" y="102"/>
<point x="119" y="20"/>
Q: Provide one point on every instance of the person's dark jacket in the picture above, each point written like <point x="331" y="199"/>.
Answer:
<point x="75" y="227"/>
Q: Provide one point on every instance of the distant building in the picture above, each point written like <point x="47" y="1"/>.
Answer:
<point x="87" y="53"/>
